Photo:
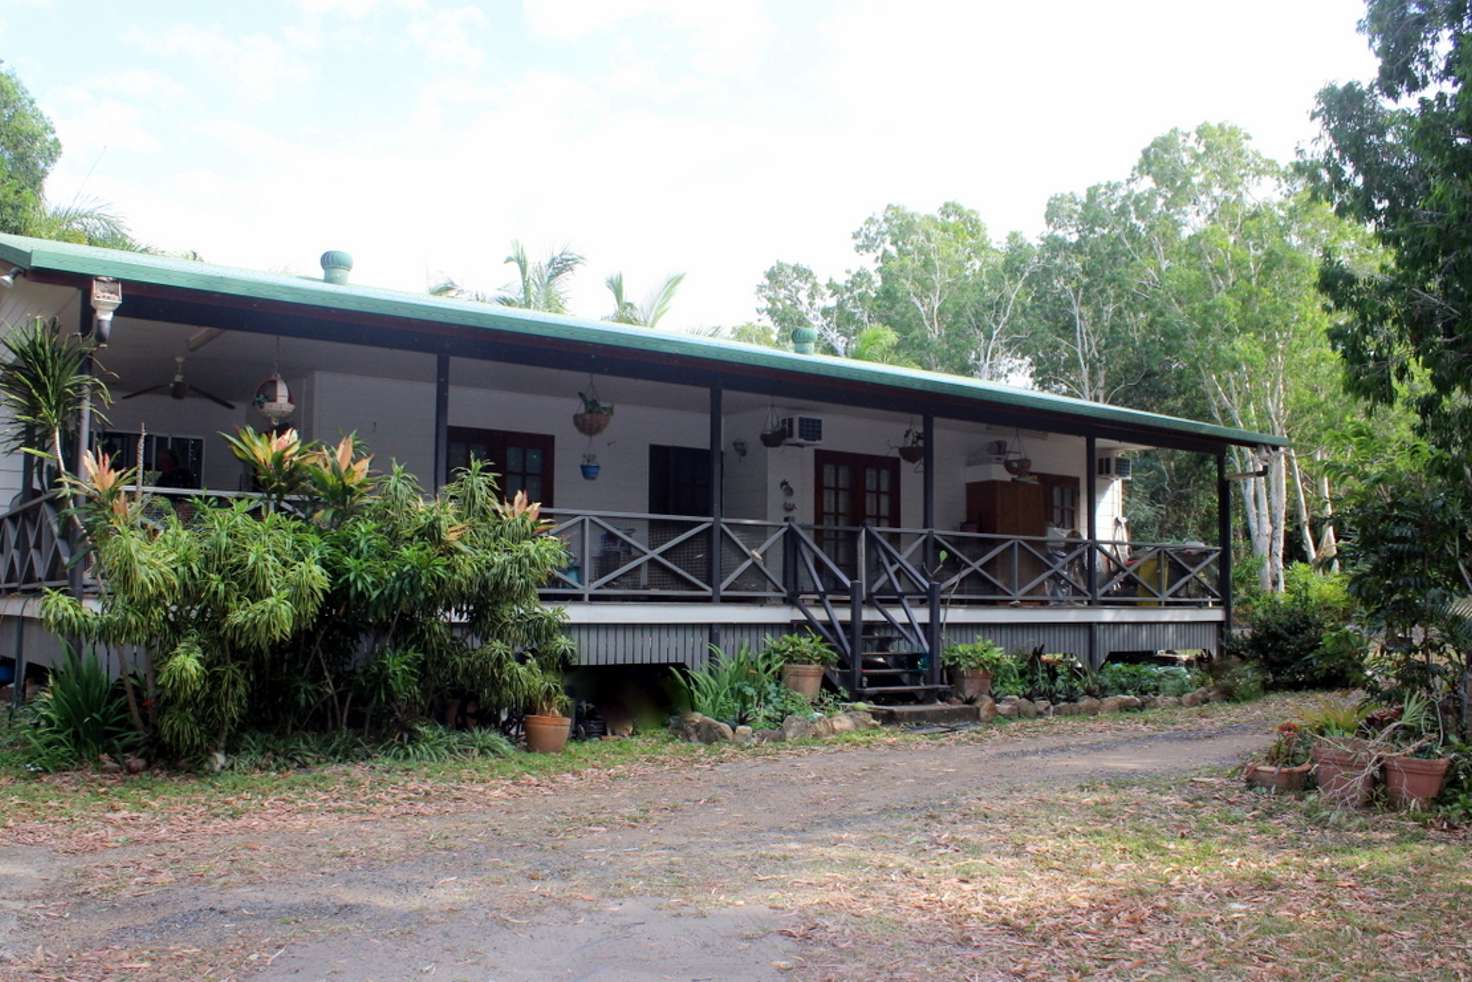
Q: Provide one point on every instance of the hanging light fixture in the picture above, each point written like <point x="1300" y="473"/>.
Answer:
<point x="273" y="398"/>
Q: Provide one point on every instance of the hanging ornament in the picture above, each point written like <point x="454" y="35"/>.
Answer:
<point x="775" y="434"/>
<point x="273" y="398"/>
<point x="1017" y="463"/>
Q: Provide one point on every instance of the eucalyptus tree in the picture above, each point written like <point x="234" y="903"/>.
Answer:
<point x="28" y="150"/>
<point x="652" y="311"/>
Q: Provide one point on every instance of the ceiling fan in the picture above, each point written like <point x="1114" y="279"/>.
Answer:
<point x="177" y="388"/>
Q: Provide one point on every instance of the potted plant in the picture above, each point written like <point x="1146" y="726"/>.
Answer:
<point x="590" y="467"/>
<point x="1286" y="765"/>
<point x="1415" y="769"/>
<point x="913" y="447"/>
<point x="547" y="725"/>
<point x="804" y="656"/>
<point x="595" y="415"/>
<point x="971" y="667"/>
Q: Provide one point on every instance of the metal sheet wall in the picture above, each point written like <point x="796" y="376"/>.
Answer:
<point x="1071" y="638"/>
<point x="1157" y="637"/>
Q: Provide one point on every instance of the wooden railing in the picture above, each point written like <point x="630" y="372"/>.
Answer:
<point x="633" y="556"/>
<point x="35" y="551"/>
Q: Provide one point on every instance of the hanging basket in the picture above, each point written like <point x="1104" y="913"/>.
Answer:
<point x="911" y="453"/>
<point x="773" y="438"/>
<point x="590" y="423"/>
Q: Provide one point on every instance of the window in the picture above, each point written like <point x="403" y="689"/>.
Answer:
<point x="679" y="480"/>
<point x="524" y="461"/>
<point x="168" y="461"/>
<point x="1061" y="500"/>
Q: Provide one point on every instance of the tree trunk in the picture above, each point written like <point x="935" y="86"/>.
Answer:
<point x="1305" y="523"/>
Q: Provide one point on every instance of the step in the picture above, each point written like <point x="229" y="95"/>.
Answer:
<point x="893" y="690"/>
<point x="926" y="712"/>
<point x="891" y="671"/>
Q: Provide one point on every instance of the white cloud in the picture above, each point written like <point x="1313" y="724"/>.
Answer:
<point x="453" y="37"/>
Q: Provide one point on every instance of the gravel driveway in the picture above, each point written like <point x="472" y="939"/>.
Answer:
<point x="681" y="872"/>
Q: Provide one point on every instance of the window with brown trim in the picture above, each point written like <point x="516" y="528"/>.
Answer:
<point x="524" y="461"/>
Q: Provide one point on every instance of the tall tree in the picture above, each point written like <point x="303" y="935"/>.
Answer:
<point x="791" y="296"/>
<point x="1394" y="156"/>
<point x="28" y="150"/>
<point x="652" y="311"/>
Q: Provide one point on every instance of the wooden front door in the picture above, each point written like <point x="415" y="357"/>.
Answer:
<point x="852" y="490"/>
<point x="523" y="460"/>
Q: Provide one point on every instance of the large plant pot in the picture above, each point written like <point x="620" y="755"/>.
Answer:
<point x="547" y="734"/>
<point x="1277" y="778"/>
<point x="1345" y="777"/>
<point x="1412" y="782"/>
<point x="971" y="683"/>
<point x="805" y="680"/>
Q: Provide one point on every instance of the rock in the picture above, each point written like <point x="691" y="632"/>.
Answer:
<point x="697" y="728"/>
<point x="1118" y="704"/>
<point x="797" y="727"/>
<point x="842" y="723"/>
<point x="1088" y="706"/>
<point x="863" y="719"/>
<point x="1007" y="710"/>
<point x="951" y="701"/>
<point x="1217" y="695"/>
<point x="1027" y="709"/>
<point x="1165" y="702"/>
<point x="1196" y="698"/>
<point x="1147" y="702"/>
<point x="1045" y="708"/>
<point x="1010" y="699"/>
<point x="743" y="735"/>
<point x="109" y="766"/>
<point x="136" y="765"/>
<point x="986" y="709"/>
<point x="1066" y="709"/>
<point x="769" y="736"/>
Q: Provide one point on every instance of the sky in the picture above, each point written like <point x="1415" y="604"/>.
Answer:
<point x="650" y="136"/>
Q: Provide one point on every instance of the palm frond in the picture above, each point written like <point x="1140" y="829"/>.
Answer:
<point x="659" y="304"/>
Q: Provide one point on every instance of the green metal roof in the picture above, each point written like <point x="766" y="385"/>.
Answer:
<point x="66" y="257"/>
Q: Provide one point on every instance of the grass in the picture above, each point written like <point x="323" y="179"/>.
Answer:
<point x="1186" y="878"/>
<point x="379" y="783"/>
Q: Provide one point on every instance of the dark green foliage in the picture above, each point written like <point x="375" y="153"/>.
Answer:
<point x="1304" y="638"/>
<point x="1394" y="157"/>
<point x="1238" y="680"/>
<point x="1120" y="679"/>
<point x="28" y="149"/>
<point x="42" y="382"/>
<point x="81" y="716"/>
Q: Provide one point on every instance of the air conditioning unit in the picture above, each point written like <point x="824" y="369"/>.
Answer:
<point x="802" y="431"/>
<point x="1115" y="467"/>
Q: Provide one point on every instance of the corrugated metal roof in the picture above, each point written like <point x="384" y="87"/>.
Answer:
<point x="66" y="257"/>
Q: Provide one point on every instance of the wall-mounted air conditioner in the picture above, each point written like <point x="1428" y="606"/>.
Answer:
<point x="802" y="431"/>
<point x="1115" y="467"/>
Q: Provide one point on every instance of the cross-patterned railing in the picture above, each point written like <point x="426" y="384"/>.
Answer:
<point x="35" y="552"/>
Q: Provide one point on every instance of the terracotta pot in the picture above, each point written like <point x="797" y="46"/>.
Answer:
<point x="547" y="734"/>
<point x="591" y="424"/>
<point x="1277" y="778"/>
<point x="805" y="680"/>
<point x="1413" y="782"/>
<point x="1345" y="778"/>
<point x="971" y="683"/>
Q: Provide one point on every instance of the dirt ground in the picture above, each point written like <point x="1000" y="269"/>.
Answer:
<point x="706" y="869"/>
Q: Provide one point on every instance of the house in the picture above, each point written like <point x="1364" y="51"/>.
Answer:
<point x="736" y="492"/>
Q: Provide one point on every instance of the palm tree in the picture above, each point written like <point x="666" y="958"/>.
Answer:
<point x="82" y="222"/>
<point x="625" y="311"/>
<point x="539" y="286"/>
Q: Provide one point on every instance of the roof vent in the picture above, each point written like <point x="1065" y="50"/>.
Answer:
<point x="803" y="339"/>
<point x="336" y="265"/>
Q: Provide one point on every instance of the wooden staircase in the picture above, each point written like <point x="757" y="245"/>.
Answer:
<point x="887" y="652"/>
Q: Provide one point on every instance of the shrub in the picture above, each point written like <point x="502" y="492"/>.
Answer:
<point x="731" y="687"/>
<point x="1304" y="638"/>
<point x="81" y="716"/>
<point x="1238" y="680"/>
<point x="801" y="648"/>
<point x="975" y="656"/>
<point x="333" y="600"/>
